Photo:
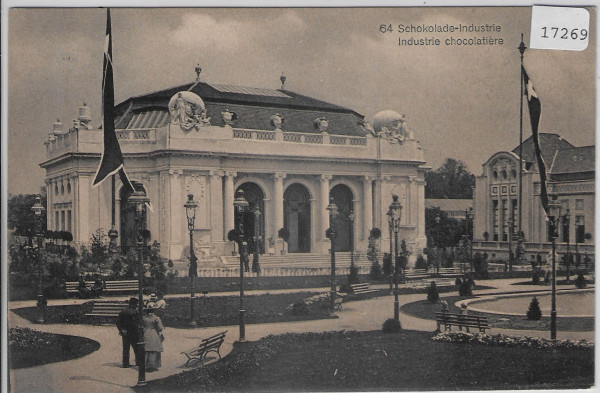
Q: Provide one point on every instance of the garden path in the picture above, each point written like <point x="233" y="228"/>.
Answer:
<point x="101" y="372"/>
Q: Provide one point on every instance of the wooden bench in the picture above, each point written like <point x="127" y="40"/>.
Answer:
<point x="121" y="286"/>
<point x="359" y="289"/>
<point x="210" y="344"/>
<point x="72" y="287"/>
<point x="450" y="271"/>
<point x="415" y="274"/>
<point x="460" y="320"/>
<point x="107" y="309"/>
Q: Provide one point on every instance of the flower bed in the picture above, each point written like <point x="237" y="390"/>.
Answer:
<point x="509" y="341"/>
<point x="28" y="348"/>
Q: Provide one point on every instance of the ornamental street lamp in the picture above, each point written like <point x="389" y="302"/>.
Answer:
<point x="37" y="210"/>
<point x="331" y="234"/>
<point x="510" y="253"/>
<point x="139" y="200"/>
<point x="437" y="242"/>
<point x="469" y="215"/>
<point x="190" y="211"/>
<point x="241" y="204"/>
<point x="257" y="238"/>
<point x="567" y="224"/>
<point x="554" y="217"/>
<point x="351" y="218"/>
<point x="390" y="217"/>
<point x="396" y="210"/>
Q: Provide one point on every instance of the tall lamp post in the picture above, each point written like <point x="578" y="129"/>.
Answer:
<point x="437" y="242"/>
<point x="391" y="228"/>
<point x="190" y="211"/>
<point x="396" y="212"/>
<point x="510" y="235"/>
<point x="567" y="225"/>
<point x="257" y="238"/>
<point x="554" y="210"/>
<point x="333" y="212"/>
<point x="37" y="210"/>
<point x="351" y="218"/>
<point x="241" y="204"/>
<point x="469" y="216"/>
<point x="139" y="200"/>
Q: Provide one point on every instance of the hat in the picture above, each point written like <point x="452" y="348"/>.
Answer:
<point x="153" y="297"/>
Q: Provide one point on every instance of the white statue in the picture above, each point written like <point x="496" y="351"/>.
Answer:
<point x="277" y="121"/>
<point x="187" y="109"/>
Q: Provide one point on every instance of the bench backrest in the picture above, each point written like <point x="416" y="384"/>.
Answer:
<point x="213" y="341"/>
<point x="122" y="284"/>
<point x="74" y="285"/>
<point x="460" y="317"/>
<point x="359" y="286"/>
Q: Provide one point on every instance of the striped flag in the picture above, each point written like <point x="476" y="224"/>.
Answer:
<point x="535" y="110"/>
<point x="112" y="158"/>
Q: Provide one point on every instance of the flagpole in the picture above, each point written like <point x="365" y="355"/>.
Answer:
<point x="521" y="48"/>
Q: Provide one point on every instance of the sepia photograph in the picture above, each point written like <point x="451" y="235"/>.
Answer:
<point x="298" y="199"/>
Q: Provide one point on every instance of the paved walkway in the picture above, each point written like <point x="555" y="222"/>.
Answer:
<point x="101" y="372"/>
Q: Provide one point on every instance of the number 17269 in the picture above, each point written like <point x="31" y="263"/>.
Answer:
<point x="564" y="33"/>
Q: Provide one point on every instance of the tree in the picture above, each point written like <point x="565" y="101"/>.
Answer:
<point x="452" y="180"/>
<point x="433" y="295"/>
<point x="21" y="218"/>
<point x="534" y="313"/>
<point x="447" y="233"/>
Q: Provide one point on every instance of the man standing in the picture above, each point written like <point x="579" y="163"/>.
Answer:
<point x="127" y="323"/>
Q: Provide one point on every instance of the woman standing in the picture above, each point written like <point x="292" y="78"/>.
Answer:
<point x="153" y="337"/>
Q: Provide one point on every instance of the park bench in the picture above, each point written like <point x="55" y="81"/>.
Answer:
<point x="121" y="286"/>
<point x="450" y="271"/>
<point x="107" y="309"/>
<point x="359" y="289"/>
<point x="460" y="320"/>
<point x="415" y="274"/>
<point x="72" y="287"/>
<point x="209" y="344"/>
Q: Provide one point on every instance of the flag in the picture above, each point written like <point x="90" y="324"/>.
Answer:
<point x="112" y="158"/>
<point x="535" y="110"/>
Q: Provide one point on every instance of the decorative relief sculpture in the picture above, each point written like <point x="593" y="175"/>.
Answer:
<point x="229" y="118"/>
<point x="321" y="124"/>
<point x="277" y="121"/>
<point x="392" y="126"/>
<point x="188" y="110"/>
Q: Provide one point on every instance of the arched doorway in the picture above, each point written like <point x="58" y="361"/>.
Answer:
<point x="255" y="197"/>
<point x="296" y="208"/>
<point x="127" y="214"/>
<point x="342" y="196"/>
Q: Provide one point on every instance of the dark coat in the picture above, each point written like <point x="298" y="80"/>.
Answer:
<point x="128" y="323"/>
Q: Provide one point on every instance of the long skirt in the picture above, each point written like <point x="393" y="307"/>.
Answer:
<point x="153" y="360"/>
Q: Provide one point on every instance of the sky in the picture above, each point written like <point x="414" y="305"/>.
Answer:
<point x="461" y="101"/>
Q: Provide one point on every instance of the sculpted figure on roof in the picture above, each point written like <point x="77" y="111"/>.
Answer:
<point x="188" y="110"/>
<point x="392" y="126"/>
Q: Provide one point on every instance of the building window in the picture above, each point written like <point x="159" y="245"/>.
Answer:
<point x="56" y="221"/>
<point x="580" y="229"/>
<point x="495" y="220"/>
<point x="579" y="204"/>
<point x="566" y="226"/>
<point x="62" y="220"/>
<point x="514" y="215"/>
<point x="69" y="188"/>
<point x="513" y="174"/>
<point x="504" y="175"/>
<point x="495" y="174"/>
<point x="69" y="220"/>
<point x="564" y="205"/>
<point x="62" y="189"/>
<point x="55" y="188"/>
<point x="504" y="220"/>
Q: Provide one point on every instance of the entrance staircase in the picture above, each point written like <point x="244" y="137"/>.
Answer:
<point x="295" y="264"/>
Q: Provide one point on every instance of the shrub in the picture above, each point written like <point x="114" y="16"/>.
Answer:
<point x="508" y="341"/>
<point x="353" y="276"/>
<point x="300" y="308"/>
<point x="536" y="278"/>
<point x="421" y="263"/>
<point x="433" y="295"/>
<point x="387" y="264"/>
<point x="375" y="273"/>
<point x="466" y="288"/>
<point x="580" y="281"/>
<point x="391" y="326"/>
<point x="534" y="313"/>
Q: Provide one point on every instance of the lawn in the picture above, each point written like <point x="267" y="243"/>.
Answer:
<point x="28" y="348"/>
<point x="374" y="361"/>
<point x="425" y="309"/>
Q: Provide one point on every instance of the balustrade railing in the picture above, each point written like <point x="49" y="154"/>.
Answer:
<point x="300" y="137"/>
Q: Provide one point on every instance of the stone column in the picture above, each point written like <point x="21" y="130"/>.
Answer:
<point x="228" y="198"/>
<point x="367" y="206"/>
<point x="83" y="210"/>
<point x="323" y="213"/>
<point x="218" y="230"/>
<point x="278" y="200"/>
